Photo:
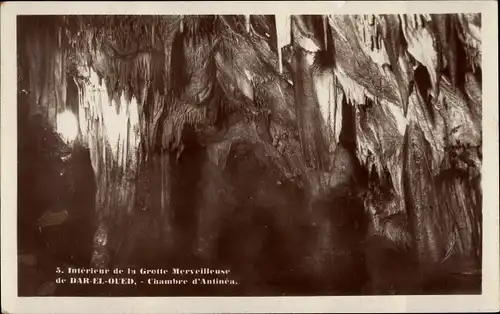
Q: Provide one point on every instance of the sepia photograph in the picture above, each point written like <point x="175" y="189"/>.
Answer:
<point x="248" y="155"/>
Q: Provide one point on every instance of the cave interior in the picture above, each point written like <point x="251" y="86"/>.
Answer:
<point x="311" y="155"/>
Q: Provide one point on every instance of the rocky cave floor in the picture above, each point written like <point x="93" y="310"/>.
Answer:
<point x="55" y="223"/>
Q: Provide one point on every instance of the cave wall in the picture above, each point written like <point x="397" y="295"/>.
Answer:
<point x="43" y="53"/>
<point x="414" y="83"/>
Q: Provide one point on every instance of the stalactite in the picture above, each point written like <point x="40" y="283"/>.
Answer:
<point x="112" y="132"/>
<point x="390" y="32"/>
<point x="447" y="39"/>
<point x="283" y="34"/>
<point x="422" y="44"/>
<point x="354" y="92"/>
<point x="325" y="88"/>
<point x="308" y="114"/>
<point x="178" y="77"/>
<point x="247" y="23"/>
<point x="469" y="32"/>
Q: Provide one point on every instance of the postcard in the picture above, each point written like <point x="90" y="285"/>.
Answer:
<point x="324" y="156"/>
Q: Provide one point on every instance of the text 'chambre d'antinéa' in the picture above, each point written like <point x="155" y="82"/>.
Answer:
<point x="138" y="276"/>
